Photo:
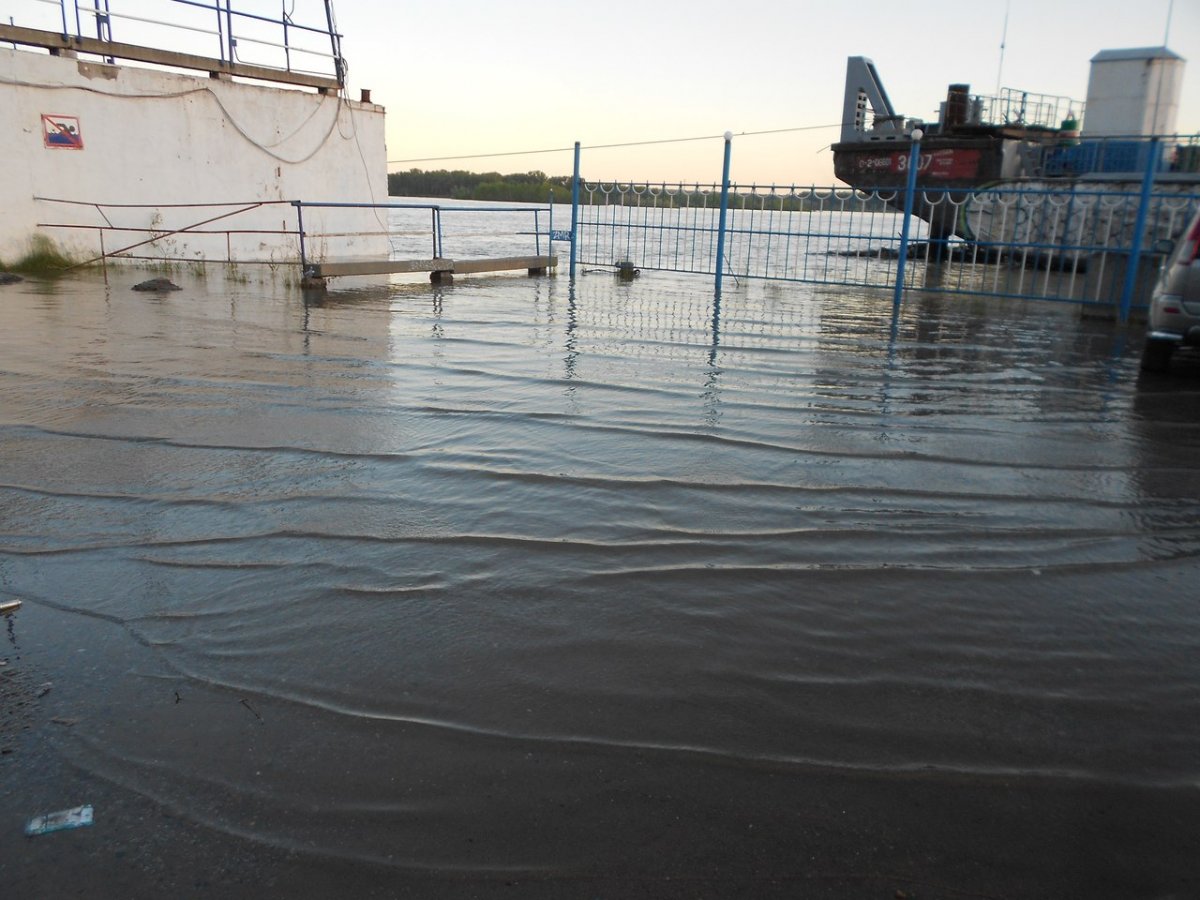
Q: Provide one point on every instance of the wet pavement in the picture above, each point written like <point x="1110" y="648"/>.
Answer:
<point x="508" y="587"/>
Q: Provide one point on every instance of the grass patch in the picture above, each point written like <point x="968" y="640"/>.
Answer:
<point x="43" y="258"/>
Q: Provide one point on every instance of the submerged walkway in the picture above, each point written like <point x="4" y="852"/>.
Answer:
<point x="439" y="269"/>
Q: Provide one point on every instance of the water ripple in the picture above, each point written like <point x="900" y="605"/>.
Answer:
<point x="449" y="558"/>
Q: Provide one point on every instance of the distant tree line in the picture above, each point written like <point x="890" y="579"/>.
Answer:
<point x="525" y="187"/>
<point x="535" y="187"/>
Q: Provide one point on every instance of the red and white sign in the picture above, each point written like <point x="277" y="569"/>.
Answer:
<point x="62" y="132"/>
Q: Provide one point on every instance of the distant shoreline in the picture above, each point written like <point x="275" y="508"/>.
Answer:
<point x="537" y="187"/>
<point x="529" y="187"/>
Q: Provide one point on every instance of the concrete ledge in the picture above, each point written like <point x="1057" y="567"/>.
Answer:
<point x="440" y="269"/>
<point x="378" y="267"/>
<point x="531" y="263"/>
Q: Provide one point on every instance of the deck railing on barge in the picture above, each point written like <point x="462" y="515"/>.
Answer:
<point x="1115" y="155"/>
<point x="1025" y="109"/>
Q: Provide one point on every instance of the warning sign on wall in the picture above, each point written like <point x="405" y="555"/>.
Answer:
<point x="62" y="132"/>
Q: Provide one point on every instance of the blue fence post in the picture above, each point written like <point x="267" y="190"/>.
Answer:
<point x="724" y="211"/>
<point x="1135" y="251"/>
<point x="914" y="160"/>
<point x="574" y="210"/>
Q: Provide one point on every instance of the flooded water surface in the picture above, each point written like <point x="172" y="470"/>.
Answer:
<point x="605" y="590"/>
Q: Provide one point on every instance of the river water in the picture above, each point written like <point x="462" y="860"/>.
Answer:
<point x="606" y="590"/>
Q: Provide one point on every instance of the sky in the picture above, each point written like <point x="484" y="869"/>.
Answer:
<point x="467" y="77"/>
<point x="464" y="81"/>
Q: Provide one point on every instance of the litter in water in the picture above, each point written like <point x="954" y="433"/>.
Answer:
<point x="59" y="821"/>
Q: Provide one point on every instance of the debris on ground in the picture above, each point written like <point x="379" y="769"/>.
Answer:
<point x="59" y="821"/>
<point x="157" y="284"/>
<point x="246" y="703"/>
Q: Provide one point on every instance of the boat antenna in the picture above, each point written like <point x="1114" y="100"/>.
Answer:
<point x="1167" y="33"/>
<point x="1003" y="41"/>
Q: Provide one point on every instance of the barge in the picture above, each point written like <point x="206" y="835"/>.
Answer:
<point x="979" y="145"/>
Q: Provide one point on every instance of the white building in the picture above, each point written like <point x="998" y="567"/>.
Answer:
<point x="100" y="157"/>
<point x="1133" y="92"/>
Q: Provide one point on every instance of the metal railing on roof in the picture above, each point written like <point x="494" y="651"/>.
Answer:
<point x="242" y="41"/>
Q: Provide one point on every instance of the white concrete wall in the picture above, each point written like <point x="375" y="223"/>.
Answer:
<point x="1133" y="97"/>
<point x="155" y="138"/>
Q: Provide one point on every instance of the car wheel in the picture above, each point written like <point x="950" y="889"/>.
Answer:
<point x="1156" y="355"/>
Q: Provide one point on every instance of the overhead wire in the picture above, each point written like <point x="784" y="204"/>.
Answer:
<point x="705" y="137"/>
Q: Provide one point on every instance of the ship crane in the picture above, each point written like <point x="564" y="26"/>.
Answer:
<point x="864" y="89"/>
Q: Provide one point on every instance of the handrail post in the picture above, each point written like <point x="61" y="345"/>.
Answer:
<point x="103" y="256"/>
<point x="574" y="211"/>
<point x="287" y="50"/>
<point x="220" y="30"/>
<point x="724" y="210"/>
<point x="229" y="27"/>
<point x="1135" y="251"/>
<point x="300" y="231"/>
<point x="914" y="161"/>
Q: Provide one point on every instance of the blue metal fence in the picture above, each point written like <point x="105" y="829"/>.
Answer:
<point x="1085" y="242"/>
